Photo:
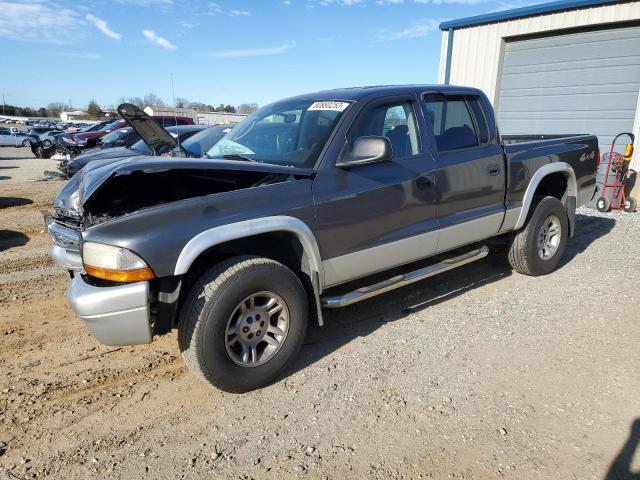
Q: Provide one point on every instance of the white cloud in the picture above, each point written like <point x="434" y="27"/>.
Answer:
<point x="347" y="3"/>
<point x="81" y="55"/>
<point x="35" y="21"/>
<point x="146" y="3"/>
<point x="102" y="26"/>
<point x="419" y="29"/>
<point x="158" y="40"/>
<point x="452" y="2"/>
<point x="213" y="8"/>
<point x="188" y="24"/>
<point x="255" y="52"/>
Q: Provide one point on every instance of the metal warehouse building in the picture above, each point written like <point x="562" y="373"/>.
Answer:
<point x="561" y="67"/>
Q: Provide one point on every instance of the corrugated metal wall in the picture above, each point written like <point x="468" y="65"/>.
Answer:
<point x="478" y="51"/>
<point x="585" y="82"/>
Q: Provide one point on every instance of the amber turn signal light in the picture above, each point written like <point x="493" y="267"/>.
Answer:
<point x="122" y="276"/>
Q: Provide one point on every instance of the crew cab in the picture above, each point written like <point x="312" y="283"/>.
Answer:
<point x="313" y="202"/>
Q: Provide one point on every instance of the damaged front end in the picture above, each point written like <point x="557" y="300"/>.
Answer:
<point x="119" y="287"/>
<point x="105" y="191"/>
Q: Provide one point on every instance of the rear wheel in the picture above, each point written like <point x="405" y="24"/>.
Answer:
<point x="537" y="248"/>
<point x="630" y="205"/>
<point x="603" y="204"/>
<point x="242" y="323"/>
<point x="26" y="143"/>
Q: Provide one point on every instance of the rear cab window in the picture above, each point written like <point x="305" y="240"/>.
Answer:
<point x="457" y="121"/>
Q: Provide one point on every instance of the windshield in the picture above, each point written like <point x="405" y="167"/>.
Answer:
<point x="89" y="128"/>
<point x="141" y="147"/>
<point x="108" y="126"/>
<point x="202" y="142"/>
<point x="113" y="136"/>
<point x="290" y="132"/>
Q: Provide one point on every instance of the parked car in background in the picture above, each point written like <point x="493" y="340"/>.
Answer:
<point x="37" y="131"/>
<point x="179" y="137"/>
<point x="93" y="136"/>
<point x="118" y="138"/>
<point x="15" y="138"/>
<point x="49" y="137"/>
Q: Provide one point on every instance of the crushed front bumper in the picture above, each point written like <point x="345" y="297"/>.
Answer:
<point x="116" y="315"/>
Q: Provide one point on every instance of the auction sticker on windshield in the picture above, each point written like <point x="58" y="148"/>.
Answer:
<point x="334" y="106"/>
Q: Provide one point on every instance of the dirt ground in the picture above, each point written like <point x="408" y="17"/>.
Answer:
<point x="478" y="373"/>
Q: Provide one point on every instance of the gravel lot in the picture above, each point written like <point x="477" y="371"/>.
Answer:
<point x="478" y="373"/>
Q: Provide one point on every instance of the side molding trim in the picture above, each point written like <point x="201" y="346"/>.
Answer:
<point x="542" y="172"/>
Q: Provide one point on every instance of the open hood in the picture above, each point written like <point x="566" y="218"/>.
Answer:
<point x="149" y="130"/>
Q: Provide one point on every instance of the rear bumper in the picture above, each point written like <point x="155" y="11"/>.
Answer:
<point x="115" y="315"/>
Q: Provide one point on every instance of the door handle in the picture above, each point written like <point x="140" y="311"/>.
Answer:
<point x="424" y="181"/>
<point x="493" y="170"/>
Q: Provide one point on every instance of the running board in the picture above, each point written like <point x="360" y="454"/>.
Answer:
<point x="398" y="281"/>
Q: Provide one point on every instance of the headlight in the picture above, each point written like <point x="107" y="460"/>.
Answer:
<point x="114" y="263"/>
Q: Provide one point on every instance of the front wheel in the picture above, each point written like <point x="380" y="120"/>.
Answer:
<point x="242" y="323"/>
<point x="538" y="247"/>
<point x="26" y="143"/>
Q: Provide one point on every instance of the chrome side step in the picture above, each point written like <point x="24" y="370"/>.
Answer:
<point x="398" y="281"/>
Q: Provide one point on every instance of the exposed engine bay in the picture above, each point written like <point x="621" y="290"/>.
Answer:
<point x="125" y="194"/>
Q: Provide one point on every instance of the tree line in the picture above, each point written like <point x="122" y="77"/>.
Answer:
<point x="95" y="111"/>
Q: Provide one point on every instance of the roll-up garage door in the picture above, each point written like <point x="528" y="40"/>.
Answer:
<point x="585" y="82"/>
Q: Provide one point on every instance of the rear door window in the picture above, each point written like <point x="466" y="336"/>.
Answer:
<point x="451" y="122"/>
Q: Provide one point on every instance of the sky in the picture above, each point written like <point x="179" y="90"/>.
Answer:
<point x="228" y="51"/>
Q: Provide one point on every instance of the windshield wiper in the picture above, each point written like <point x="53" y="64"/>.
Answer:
<point x="235" y="156"/>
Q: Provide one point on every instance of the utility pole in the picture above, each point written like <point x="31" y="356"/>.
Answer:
<point x="3" y="104"/>
<point x="173" y="92"/>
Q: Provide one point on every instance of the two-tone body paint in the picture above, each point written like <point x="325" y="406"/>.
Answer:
<point x="361" y="220"/>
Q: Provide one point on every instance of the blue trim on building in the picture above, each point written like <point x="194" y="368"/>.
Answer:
<point x="447" y="68"/>
<point x="524" y="12"/>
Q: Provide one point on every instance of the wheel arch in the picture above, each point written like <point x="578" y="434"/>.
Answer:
<point x="545" y="174"/>
<point x="255" y="230"/>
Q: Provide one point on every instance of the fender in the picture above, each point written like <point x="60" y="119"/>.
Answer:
<point x="549" y="168"/>
<point x="248" y="228"/>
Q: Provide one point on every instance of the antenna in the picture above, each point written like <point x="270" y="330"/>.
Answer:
<point x="175" y="113"/>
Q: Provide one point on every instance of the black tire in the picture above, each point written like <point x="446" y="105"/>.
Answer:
<point x="210" y="304"/>
<point x="630" y="205"/>
<point x="26" y="143"/>
<point x="47" y="143"/>
<point x="523" y="245"/>
<point x="603" y="204"/>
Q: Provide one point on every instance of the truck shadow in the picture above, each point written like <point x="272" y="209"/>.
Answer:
<point x="588" y="229"/>
<point x="620" y="468"/>
<point x="359" y="320"/>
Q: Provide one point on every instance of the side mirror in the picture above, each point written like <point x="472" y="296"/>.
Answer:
<point x="367" y="150"/>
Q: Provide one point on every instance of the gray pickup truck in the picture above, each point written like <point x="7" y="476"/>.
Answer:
<point x="317" y="201"/>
